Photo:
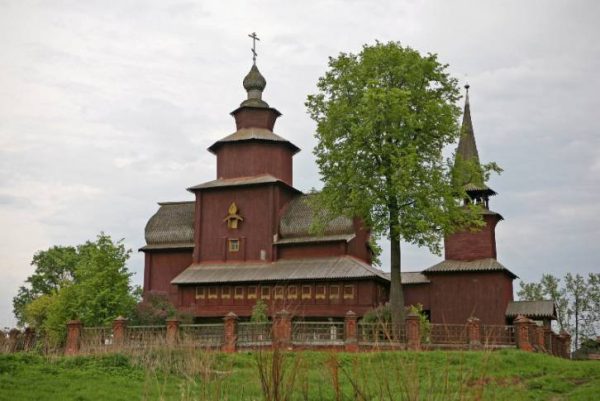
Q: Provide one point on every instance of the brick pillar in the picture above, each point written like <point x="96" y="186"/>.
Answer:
<point x="522" y="333"/>
<point x="548" y="340"/>
<point x="540" y="338"/>
<point x="230" y="334"/>
<point x="566" y="344"/>
<point x="350" y="330"/>
<point x="282" y="329"/>
<point x="474" y="332"/>
<point x="413" y="332"/>
<point x="119" y="331"/>
<point x="172" y="331"/>
<point x="73" y="337"/>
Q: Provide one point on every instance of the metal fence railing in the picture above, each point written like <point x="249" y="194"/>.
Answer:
<point x="448" y="334"/>
<point x="379" y="334"/>
<point x="146" y="336"/>
<point x="96" y="339"/>
<point x="497" y="335"/>
<point x="202" y="335"/>
<point x="254" y="334"/>
<point x="318" y="333"/>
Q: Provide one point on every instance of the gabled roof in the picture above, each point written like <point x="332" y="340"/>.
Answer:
<point x="531" y="309"/>
<point x="171" y="227"/>
<point x="479" y="265"/>
<point x="344" y="267"/>
<point x="298" y="218"/>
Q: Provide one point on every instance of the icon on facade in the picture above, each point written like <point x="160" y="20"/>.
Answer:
<point x="233" y="218"/>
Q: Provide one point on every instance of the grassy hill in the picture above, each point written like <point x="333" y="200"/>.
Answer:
<point x="165" y="375"/>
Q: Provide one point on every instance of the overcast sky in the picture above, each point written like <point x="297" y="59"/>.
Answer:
<point x="108" y="107"/>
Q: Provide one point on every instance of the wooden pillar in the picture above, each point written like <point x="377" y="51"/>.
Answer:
<point x="119" y="331"/>
<point x="522" y="333"/>
<point x="350" y="330"/>
<point x="230" y="335"/>
<point x="474" y="332"/>
<point x="73" y="337"/>
<point x="413" y="332"/>
<point x="172" y="331"/>
<point x="282" y="329"/>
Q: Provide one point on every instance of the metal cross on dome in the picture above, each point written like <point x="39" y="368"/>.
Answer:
<point x="254" y="39"/>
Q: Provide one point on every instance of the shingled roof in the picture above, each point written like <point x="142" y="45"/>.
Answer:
<point x="172" y="226"/>
<point x="256" y="134"/>
<point x="411" y="277"/>
<point x="532" y="309"/>
<point x="298" y="218"/>
<point x="344" y="267"/>
<point x="479" y="265"/>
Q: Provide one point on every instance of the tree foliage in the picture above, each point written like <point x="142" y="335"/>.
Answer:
<point x="576" y="298"/>
<point x="383" y="118"/>
<point x="89" y="282"/>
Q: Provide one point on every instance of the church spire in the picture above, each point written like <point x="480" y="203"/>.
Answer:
<point x="467" y="167"/>
<point x="254" y="82"/>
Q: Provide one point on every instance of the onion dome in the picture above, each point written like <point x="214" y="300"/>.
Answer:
<point x="255" y="84"/>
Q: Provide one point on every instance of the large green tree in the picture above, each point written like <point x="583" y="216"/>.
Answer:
<point x="383" y="118"/>
<point x="90" y="282"/>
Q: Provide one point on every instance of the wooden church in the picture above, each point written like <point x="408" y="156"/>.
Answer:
<point x="247" y="237"/>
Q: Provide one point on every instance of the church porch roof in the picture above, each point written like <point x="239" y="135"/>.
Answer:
<point x="283" y="270"/>
<point x="532" y="309"/>
<point x="479" y="265"/>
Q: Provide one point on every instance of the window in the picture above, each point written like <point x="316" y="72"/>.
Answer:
<point x="349" y="291"/>
<point x="265" y="292"/>
<point x="238" y="293"/>
<point x="292" y="292"/>
<point x="320" y="292"/>
<point x="212" y="293"/>
<point x="252" y="292"/>
<point x="278" y="292"/>
<point x="200" y="292"/>
<point x="225" y="292"/>
<point x="234" y="245"/>
<point x="334" y="292"/>
<point x="306" y="292"/>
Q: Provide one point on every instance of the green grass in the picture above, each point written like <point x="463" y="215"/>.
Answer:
<point x="437" y="375"/>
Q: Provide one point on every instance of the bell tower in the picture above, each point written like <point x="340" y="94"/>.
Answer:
<point x="468" y="245"/>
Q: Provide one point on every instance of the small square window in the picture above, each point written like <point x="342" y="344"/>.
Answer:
<point x="212" y="293"/>
<point x="234" y="245"/>
<point x="239" y="293"/>
<point x="252" y="292"/>
<point x="320" y="292"/>
<point x="278" y="292"/>
<point x="265" y="293"/>
<point x="200" y="293"/>
<point x="292" y="292"/>
<point x="306" y="292"/>
<point x="349" y="292"/>
<point x="225" y="292"/>
<point x="334" y="292"/>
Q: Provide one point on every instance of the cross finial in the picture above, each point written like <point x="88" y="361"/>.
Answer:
<point x="254" y="39"/>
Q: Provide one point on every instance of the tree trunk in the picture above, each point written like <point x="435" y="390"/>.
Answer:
<point x="396" y="293"/>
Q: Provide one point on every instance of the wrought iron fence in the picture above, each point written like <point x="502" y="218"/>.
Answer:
<point x="318" y="333"/>
<point x="497" y="335"/>
<point x="448" y="334"/>
<point x="202" y="335"/>
<point x="379" y="334"/>
<point x="146" y="336"/>
<point x="254" y="334"/>
<point x="96" y="339"/>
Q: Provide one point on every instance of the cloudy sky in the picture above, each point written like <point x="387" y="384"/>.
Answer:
<point x="108" y="107"/>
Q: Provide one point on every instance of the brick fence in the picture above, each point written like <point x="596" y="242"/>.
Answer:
<point x="351" y="335"/>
